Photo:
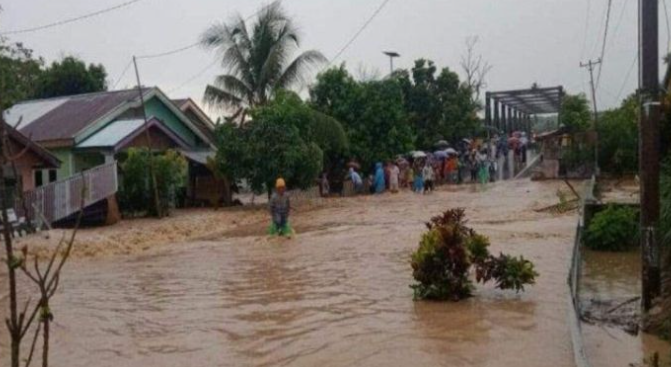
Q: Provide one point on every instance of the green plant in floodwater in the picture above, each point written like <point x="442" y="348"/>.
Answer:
<point x="613" y="229"/>
<point x="563" y="201"/>
<point x="449" y="249"/>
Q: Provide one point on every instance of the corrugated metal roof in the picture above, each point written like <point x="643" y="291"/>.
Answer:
<point x="199" y="156"/>
<point x="29" y="112"/>
<point x="63" y="117"/>
<point x="112" y="134"/>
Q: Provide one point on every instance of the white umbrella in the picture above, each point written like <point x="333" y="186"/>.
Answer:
<point x="419" y="154"/>
<point x="441" y="154"/>
<point x="442" y="144"/>
<point x="451" y="151"/>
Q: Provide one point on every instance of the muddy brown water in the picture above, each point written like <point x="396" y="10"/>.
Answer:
<point x="336" y="295"/>
<point x="616" y="278"/>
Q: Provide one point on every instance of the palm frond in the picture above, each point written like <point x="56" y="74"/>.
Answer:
<point x="295" y="72"/>
<point x="234" y="86"/>
<point x="216" y="97"/>
<point x="284" y="43"/>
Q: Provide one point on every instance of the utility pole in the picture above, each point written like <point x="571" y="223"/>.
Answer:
<point x="649" y="150"/>
<point x="152" y="171"/>
<point x="590" y="66"/>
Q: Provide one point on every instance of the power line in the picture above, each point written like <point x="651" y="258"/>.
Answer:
<point x="123" y="73"/>
<point x="358" y="33"/>
<point x="620" y="18"/>
<point x="210" y="65"/>
<point x="168" y="53"/>
<point x="626" y="78"/>
<point x="194" y="77"/>
<point x="605" y="42"/>
<point x="192" y="45"/>
<point x="584" y="40"/>
<point x="70" y="20"/>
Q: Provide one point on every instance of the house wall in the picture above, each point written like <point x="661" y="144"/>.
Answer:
<point x="26" y="164"/>
<point x="84" y="161"/>
<point x="154" y="107"/>
<point x="159" y="141"/>
<point x="67" y="162"/>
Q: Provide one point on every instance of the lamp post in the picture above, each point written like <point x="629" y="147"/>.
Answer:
<point x="392" y="55"/>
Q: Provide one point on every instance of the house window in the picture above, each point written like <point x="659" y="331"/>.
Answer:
<point x="52" y="175"/>
<point x="37" y="175"/>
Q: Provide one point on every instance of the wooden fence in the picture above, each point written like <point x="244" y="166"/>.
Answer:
<point x="60" y="199"/>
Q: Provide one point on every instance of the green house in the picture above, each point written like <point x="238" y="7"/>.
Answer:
<point x="87" y="130"/>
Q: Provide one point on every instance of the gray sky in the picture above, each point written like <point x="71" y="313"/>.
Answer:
<point x="526" y="41"/>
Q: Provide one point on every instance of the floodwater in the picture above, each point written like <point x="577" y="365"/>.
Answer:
<point x="336" y="295"/>
<point x="616" y="278"/>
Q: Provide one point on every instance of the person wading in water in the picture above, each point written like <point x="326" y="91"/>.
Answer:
<point x="279" y="209"/>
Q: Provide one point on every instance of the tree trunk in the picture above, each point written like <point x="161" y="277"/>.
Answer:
<point x="45" y="346"/>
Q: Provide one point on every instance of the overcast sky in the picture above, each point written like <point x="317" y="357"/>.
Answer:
<point x="526" y="41"/>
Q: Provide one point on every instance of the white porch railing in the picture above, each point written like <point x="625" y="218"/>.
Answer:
<point x="63" y="198"/>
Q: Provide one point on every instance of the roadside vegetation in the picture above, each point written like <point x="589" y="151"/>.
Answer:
<point x="615" y="228"/>
<point x="447" y="252"/>
<point x="135" y="194"/>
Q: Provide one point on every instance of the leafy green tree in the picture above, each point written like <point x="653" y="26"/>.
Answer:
<point x="276" y="149"/>
<point x="288" y="109"/>
<point x="575" y="113"/>
<point x="19" y="72"/>
<point x="70" y="76"/>
<point x="372" y="114"/>
<point x="230" y="162"/>
<point x="618" y="138"/>
<point x="285" y="138"/>
<point x="258" y="59"/>
<point x="438" y="106"/>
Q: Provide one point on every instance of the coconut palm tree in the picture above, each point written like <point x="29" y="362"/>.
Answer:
<point x="257" y="59"/>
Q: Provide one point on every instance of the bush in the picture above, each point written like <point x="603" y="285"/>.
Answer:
<point x="613" y="229"/>
<point x="446" y="253"/>
<point x="135" y="192"/>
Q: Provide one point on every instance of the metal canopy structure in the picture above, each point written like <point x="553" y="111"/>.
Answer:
<point x="511" y="110"/>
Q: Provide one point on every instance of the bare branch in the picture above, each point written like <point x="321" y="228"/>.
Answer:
<point x="475" y="68"/>
<point x="33" y="314"/>
<point x="32" y="346"/>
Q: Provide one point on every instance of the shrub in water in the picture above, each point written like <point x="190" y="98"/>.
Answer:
<point x="612" y="229"/>
<point x="449" y="249"/>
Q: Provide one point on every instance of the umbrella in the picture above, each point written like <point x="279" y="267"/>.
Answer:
<point x="353" y="164"/>
<point x="451" y="151"/>
<point x="441" y="154"/>
<point x="419" y="154"/>
<point x="441" y="144"/>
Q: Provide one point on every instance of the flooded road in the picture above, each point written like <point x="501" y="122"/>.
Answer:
<point x="336" y="295"/>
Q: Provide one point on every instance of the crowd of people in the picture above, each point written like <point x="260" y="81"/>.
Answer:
<point x="470" y="161"/>
<point x="473" y="161"/>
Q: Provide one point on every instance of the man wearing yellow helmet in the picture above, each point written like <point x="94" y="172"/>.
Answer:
<point x="280" y="207"/>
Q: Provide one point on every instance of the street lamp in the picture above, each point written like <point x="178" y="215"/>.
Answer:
<point x="391" y="55"/>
